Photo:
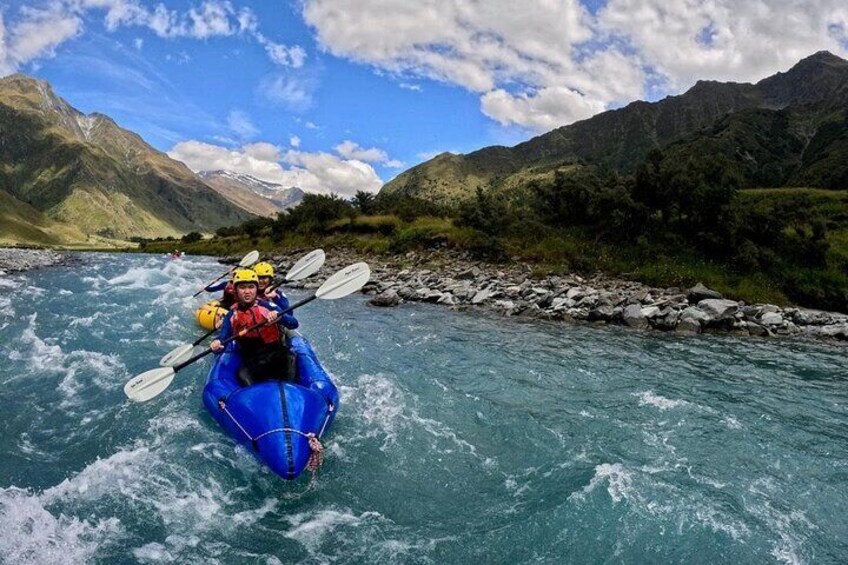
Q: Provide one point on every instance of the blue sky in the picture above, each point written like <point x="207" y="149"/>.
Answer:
<point x="340" y="95"/>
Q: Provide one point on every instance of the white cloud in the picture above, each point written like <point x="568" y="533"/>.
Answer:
<point x="542" y="110"/>
<point x="138" y="43"/>
<point x="725" y="39"/>
<point x="241" y="125"/>
<point x="352" y="150"/>
<point x="36" y="32"/>
<point x="283" y="55"/>
<point x="320" y="173"/>
<point x="553" y="62"/>
<point x="292" y="92"/>
<point x="294" y="141"/>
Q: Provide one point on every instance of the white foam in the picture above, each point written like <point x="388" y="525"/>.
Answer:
<point x="619" y="481"/>
<point x="648" y="398"/>
<point x="311" y="528"/>
<point x="32" y="534"/>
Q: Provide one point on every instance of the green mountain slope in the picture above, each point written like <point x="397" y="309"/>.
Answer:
<point x="87" y="171"/>
<point x="793" y="121"/>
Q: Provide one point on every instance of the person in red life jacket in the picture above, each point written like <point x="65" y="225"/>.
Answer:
<point x="229" y="296"/>
<point x="265" y="272"/>
<point x="263" y="350"/>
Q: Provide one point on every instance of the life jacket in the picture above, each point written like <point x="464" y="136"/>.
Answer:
<point x="229" y="296"/>
<point x="242" y="319"/>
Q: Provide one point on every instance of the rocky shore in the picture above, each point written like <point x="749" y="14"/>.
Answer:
<point x="13" y="260"/>
<point x="455" y="281"/>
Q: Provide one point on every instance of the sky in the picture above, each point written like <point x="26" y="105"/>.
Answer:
<point x="337" y="96"/>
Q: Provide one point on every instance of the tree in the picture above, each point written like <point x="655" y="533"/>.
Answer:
<point x="365" y="202"/>
<point x="192" y="237"/>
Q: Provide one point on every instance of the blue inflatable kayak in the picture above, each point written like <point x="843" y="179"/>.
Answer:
<point x="274" y="419"/>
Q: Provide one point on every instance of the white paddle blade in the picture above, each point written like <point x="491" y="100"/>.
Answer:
<point x="177" y="356"/>
<point x="149" y="384"/>
<point x="249" y="259"/>
<point x="307" y="266"/>
<point x="348" y="280"/>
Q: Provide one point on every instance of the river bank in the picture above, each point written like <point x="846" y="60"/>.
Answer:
<point x="14" y="260"/>
<point x="453" y="280"/>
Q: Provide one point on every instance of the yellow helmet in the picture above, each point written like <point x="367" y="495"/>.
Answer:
<point x="264" y="269"/>
<point x="245" y="276"/>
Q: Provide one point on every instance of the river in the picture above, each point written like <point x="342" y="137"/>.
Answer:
<point x="461" y="438"/>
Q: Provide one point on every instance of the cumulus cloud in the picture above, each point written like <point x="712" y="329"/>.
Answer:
<point x="320" y="173"/>
<point x="35" y="32"/>
<point x="552" y="63"/>
<point x="543" y="110"/>
<point x="724" y="39"/>
<point x="352" y="150"/>
<point x="294" y="141"/>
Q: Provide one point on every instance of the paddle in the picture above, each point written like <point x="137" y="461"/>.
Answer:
<point x="150" y="384"/>
<point x="246" y="261"/>
<point x="307" y="266"/>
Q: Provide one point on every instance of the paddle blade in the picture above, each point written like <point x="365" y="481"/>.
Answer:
<point x="149" y="384"/>
<point x="249" y="259"/>
<point x="348" y="280"/>
<point x="307" y="266"/>
<point x="177" y="356"/>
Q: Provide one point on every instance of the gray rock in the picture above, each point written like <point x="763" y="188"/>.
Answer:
<point x="717" y="309"/>
<point x="481" y="296"/>
<point x="602" y="313"/>
<point x="650" y="312"/>
<point x="634" y="317"/>
<point x="447" y="299"/>
<point x="695" y="313"/>
<point x="771" y="319"/>
<point x="756" y="329"/>
<point x="386" y="299"/>
<point x="470" y="274"/>
<point x="688" y="326"/>
<point x="699" y="292"/>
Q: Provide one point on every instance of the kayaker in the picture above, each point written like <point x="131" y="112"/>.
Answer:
<point x="264" y="353"/>
<point x="229" y="296"/>
<point x="265" y="272"/>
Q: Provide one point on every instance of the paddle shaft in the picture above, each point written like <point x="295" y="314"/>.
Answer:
<point x="243" y="332"/>
<point x="213" y="282"/>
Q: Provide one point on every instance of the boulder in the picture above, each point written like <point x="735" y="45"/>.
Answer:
<point x="470" y="274"/>
<point x="602" y="313"/>
<point x="717" y="309"/>
<point x="758" y="330"/>
<point x="481" y="296"/>
<point x="688" y="326"/>
<point x="650" y="312"/>
<point x="771" y="319"/>
<point x="699" y="292"/>
<point x="634" y="317"/>
<point x="447" y="299"/>
<point x="695" y="313"/>
<point x="387" y="298"/>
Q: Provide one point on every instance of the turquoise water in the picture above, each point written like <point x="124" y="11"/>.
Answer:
<point x="461" y="438"/>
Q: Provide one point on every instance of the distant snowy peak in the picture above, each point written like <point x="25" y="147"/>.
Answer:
<point x="235" y="185"/>
<point x="246" y="180"/>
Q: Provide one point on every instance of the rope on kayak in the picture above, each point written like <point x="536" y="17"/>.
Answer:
<point x="316" y="457"/>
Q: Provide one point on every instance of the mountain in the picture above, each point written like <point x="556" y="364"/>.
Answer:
<point x="86" y="171"/>
<point x="249" y="193"/>
<point x="792" y="124"/>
